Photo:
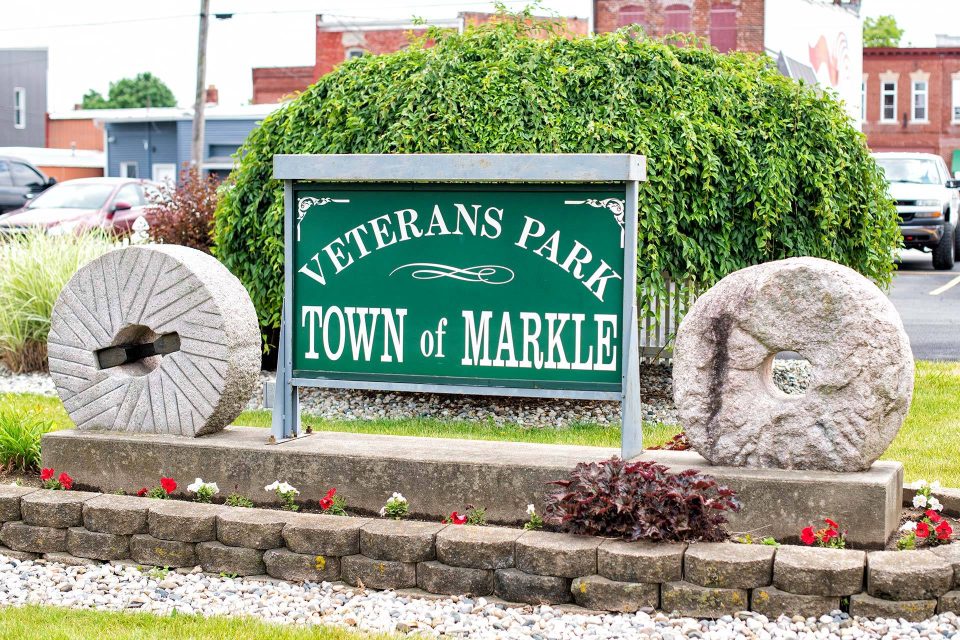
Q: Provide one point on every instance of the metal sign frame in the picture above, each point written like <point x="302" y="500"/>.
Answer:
<point x="623" y="169"/>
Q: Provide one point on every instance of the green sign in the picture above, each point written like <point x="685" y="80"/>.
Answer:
<point x="480" y="285"/>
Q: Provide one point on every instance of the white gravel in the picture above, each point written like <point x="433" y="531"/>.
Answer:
<point x="119" y="587"/>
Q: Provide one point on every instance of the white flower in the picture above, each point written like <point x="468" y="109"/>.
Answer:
<point x="196" y="485"/>
<point x="909" y="526"/>
<point x="272" y="487"/>
<point x="934" y="504"/>
<point x="919" y="484"/>
<point x="212" y="486"/>
<point x="531" y="510"/>
<point x="383" y="511"/>
<point x="935" y="485"/>
<point x="287" y="488"/>
<point x="397" y="497"/>
<point x="919" y="501"/>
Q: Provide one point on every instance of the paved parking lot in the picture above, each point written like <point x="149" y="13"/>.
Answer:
<point x="929" y="303"/>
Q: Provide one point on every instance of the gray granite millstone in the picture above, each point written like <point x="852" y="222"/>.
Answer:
<point x="400" y="540"/>
<point x="515" y="585"/>
<point x="216" y="557"/>
<point x="378" y="574"/>
<point x="950" y="553"/>
<point x="650" y="562"/>
<point x="867" y="606"/>
<point x="726" y="565"/>
<point x="562" y="555"/>
<point x="196" y="390"/>
<point x="695" y="601"/>
<point x="57" y="509"/>
<point x="437" y="577"/>
<point x="10" y="496"/>
<point x="145" y="549"/>
<point x="814" y="571"/>
<point x="908" y="575"/>
<point x="24" y="537"/>
<point x="120" y="515"/>
<point x="601" y="594"/>
<point x="950" y="601"/>
<point x="97" y="546"/>
<point x="773" y="603"/>
<point x="183" y="521"/>
<point x="477" y="547"/>
<point x="253" y="528"/>
<point x="299" y="567"/>
<point x="841" y="322"/>
<point x="317" y="534"/>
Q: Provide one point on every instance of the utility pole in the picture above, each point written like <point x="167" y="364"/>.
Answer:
<point x="196" y="156"/>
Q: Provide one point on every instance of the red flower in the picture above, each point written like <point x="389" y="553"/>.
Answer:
<point x="923" y="530"/>
<point x="456" y="518"/>
<point x="807" y="536"/>
<point x="46" y="474"/>
<point x="327" y="501"/>
<point x="142" y="492"/>
<point x="933" y="515"/>
<point x="831" y="523"/>
<point x="829" y="534"/>
<point x="169" y="485"/>
<point x="944" y="530"/>
<point x="65" y="480"/>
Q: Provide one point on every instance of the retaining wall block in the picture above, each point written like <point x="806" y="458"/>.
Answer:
<point x="951" y="553"/>
<point x="18" y="555"/>
<point x="56" y="509"/>
<point x="378" y="574"/>
<point x="648" y="562"/>
<point x="950" y="601"/>
<point x="317" y="534"/>
<point x="70" y="560"/>
<point x="217" y="557"/>
<point x="696" y="601"/>
<point x="814" y="571"/>
<point x="911" y="575"/>
<point x="120" y="515"/>
<point x="24" y="537"/>
<point x="183" y="521"/>
<point x="400" y="540"/>
<point x="723" y="565"/>
<point x="515" y="585"/>
<point x="601" y="594"/>
<point x="562" y="555"/>
<point x="477" y="547"/>
<point x="252" y="528"/>
<point x="865" y="605"/>
<point x="10" y="501"/>
<point x="437" y="577"/>
<point x="300" y="567"/>
<point x="97" y="546"/>
<point x="773" y="602"/>
<point x="145" y="549"/>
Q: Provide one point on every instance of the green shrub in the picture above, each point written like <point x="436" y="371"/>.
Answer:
<point x="35" y="267"/>
<point x="744" y="165"/>
<point x="20" y="433"/>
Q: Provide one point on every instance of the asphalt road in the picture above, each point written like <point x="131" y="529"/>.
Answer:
<point x="929" y="303"/>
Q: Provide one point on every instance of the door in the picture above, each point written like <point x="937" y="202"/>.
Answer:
<point x="165" y="171"/>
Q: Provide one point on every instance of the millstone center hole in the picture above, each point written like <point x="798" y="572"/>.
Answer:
<point x="790" y="372"/>
<point x="137" y="350"/>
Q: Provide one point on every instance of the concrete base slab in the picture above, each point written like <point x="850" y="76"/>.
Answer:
<point x="436" y="474"/>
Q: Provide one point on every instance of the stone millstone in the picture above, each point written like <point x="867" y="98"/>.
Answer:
<point x="133" y="296"/>
<point x="861" y="380"/>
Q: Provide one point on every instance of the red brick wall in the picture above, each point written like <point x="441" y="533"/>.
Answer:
<point x="273" y="84"/>
<point x="938" y="135"/>
<point x="749" y="18"/>
<point x="63" y="174"/>
<point x="332" y="46"/>
<point x="62" y="134"/>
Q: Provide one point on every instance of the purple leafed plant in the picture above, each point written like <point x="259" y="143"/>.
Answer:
<point x="640" y="501"/>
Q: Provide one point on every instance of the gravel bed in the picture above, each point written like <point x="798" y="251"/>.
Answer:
<point x="26" y="382"/>
<point x="116" y="587"/>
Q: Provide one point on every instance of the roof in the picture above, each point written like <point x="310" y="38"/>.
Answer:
<point x="42" y="156"/>
<point x="910" y="51"/>
<point x="169" y="114"/>
<point x="384" y="25"/>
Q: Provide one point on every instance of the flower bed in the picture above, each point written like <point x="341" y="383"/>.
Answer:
<point x="702" y="579"/>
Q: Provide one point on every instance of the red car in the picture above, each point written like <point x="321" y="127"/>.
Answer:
<point x="74" y="205"/>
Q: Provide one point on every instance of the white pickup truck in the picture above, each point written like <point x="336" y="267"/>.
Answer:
<point x="928" y="202"/>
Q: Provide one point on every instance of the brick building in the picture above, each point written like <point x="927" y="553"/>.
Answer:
<point x="911" y="98"/>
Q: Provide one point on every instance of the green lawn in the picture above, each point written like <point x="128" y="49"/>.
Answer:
<point x="928" y="444"/>
<point x="55" y="623"/>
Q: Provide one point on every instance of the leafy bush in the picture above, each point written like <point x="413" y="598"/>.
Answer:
<point x="183" y="213"/>
<point x="20" y="433"/>
<point x="640" y="501"/>
<point x="744" y="165"/>
<point x="36" y="266"/>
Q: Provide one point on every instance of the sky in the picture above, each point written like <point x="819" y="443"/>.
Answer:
<point x="93" y="43"/>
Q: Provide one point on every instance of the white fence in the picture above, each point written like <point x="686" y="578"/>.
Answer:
<point x="656" y="336"/>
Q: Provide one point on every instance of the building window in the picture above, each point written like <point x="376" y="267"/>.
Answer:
<point x="129" y="170"/>
<point x="956" y="101"/>
<point x="888" y="102"/>
<point x="918" y="101"/>
<point x="723" y="27"/>
<point x="676" y="19"/>
<point x="354" y="53"/>
<point x="19" y="108"/>
<point x="631" y="14"/>
<point x="863" y="100"/>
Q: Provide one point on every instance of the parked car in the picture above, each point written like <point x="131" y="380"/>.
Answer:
<point x="74" y="205"/>
<point x="19" y="182"/>
<point x="928" y="202"/>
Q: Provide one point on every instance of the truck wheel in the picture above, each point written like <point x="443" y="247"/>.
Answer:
<point x="943" y="255"/>
<point x="956" y="241"/>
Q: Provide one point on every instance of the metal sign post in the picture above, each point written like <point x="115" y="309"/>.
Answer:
<point x="484" y="274"/>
